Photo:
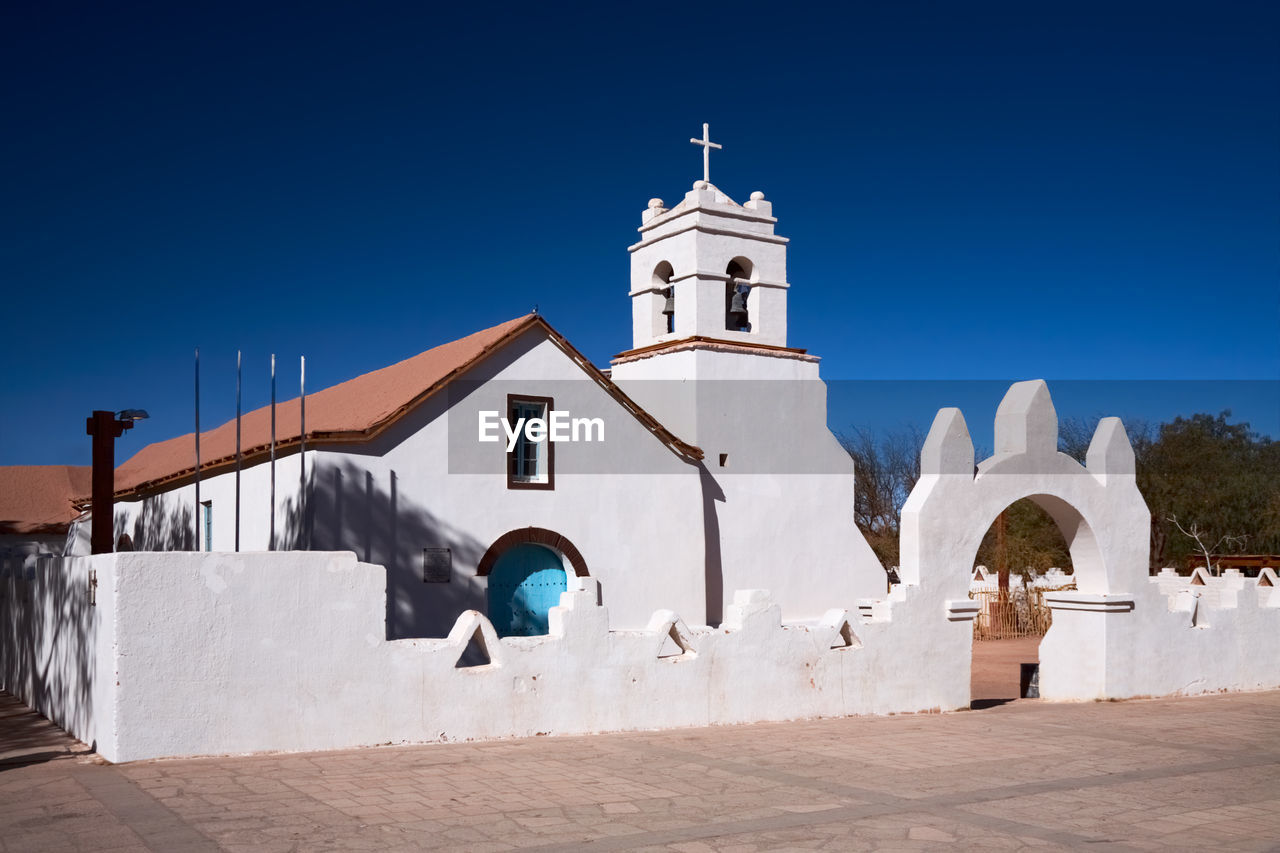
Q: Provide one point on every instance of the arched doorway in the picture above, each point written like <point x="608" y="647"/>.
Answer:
<point x="1023" y="556"/>
<point x="524" y="584"/>
<point x="527" y="570"/>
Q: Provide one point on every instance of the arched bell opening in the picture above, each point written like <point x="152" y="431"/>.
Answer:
<point x="740" y="274"/>
<point x="661" y="282"/>
<point x="1024" y="544"/>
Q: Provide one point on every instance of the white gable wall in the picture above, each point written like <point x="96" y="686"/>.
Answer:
<point x="630" y="505"/>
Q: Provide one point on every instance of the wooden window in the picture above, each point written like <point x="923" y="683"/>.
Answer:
<point x="531" y="464"/>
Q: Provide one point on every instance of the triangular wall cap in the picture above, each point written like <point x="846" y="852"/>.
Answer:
<point x="948" y="449"/>
<point x="1110" y="453"/>
<point x="1026" y="421"/>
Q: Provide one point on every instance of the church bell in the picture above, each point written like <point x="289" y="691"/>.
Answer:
<point x="738" y="309"/>
<point x="669" y="307"/>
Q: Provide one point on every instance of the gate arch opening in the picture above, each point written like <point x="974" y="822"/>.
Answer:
<point x="1021" y="547"/>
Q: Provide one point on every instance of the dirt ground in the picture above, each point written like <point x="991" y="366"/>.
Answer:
<point x="997" y="668"/>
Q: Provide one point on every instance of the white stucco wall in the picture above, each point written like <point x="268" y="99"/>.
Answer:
<point x="784" y="499"/>
<point x="227" y="653"/>
<point x="57" y="647"/>
<point x="1158" y="645"/>
<point x="167" y="520"/>
<point x="210" y="653"/>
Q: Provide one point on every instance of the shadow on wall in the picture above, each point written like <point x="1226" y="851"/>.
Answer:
<point x="351" y="509"/>
<point x="158" y="528"/>
<point x="45" y="638"/>
<point x="714" y="569"/>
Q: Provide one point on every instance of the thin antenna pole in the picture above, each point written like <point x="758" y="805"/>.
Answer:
<point x="304" y="532"/>
<point x="237" y="451"/>
<point x="271" y="543"/>
<point x="199" y="547"/>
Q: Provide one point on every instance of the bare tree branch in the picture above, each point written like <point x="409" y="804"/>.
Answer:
<point x="1196" y="533"/>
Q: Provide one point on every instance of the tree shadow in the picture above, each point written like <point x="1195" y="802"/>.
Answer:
<point x="47" y="643"/>
<point x="159" y="527"/>
<point x="349" y="508"/>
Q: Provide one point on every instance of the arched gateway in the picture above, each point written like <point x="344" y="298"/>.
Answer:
<point x="1097" y="506"/>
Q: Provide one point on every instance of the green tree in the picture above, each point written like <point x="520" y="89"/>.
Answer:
<point x="1201" y="471"/>
<point x="1032" y="541"/>
<point x="1221" y="477"/>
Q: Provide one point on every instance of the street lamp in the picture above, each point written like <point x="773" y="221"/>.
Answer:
<point x="106" y="427"/>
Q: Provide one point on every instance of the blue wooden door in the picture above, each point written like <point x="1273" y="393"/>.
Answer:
<point x="524" y="584"/>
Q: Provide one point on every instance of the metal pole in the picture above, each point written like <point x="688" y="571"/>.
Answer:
<point x="304" y="536"/>
<point x="271" y="543"/>
<point x="237" y="451"/>
<point x="199" y="546"/>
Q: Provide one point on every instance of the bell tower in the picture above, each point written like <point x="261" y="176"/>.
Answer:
<point x="710" y="361"/>
<point x="709" y="268"/>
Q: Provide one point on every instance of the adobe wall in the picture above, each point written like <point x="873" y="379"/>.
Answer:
<point x="226" y="653"/>
<point x="190" y="654"/>
<point x="57" y="632"/>
<point x="784" y="498"/>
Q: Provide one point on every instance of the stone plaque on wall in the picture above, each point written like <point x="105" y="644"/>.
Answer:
<point x="437" y="565"/>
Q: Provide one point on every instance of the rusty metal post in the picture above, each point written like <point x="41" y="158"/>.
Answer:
<point x="105" y="429"/>
<point x="1002" y="553"/>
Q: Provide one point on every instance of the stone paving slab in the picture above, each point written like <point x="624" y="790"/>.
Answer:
<point x="1196" y="773"/>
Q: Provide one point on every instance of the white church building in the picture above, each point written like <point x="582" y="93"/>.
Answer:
<point x="703" y="463"/>
<point x="497" y="538"/>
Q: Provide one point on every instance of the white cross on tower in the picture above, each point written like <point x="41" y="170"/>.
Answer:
<point x="707" y="145"/>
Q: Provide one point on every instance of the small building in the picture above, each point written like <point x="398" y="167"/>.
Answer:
<point x="37" y="506"/>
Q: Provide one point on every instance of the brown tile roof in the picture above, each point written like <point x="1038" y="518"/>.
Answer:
<point x="352" y="411"/>
<point x="37" y="499"/>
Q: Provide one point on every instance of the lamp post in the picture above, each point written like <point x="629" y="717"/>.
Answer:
<point x="106" y="427"/>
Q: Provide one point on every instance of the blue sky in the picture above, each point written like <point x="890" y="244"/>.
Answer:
<point x="973" y="191"/>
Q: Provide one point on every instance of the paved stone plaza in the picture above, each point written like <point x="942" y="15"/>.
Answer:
<point x="1194" y="773"/>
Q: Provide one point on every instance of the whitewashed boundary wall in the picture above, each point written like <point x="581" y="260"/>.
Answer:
<point x="230" y="653"/>
<point x="57" y="645"/>
<point x="1117" y="636"/>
